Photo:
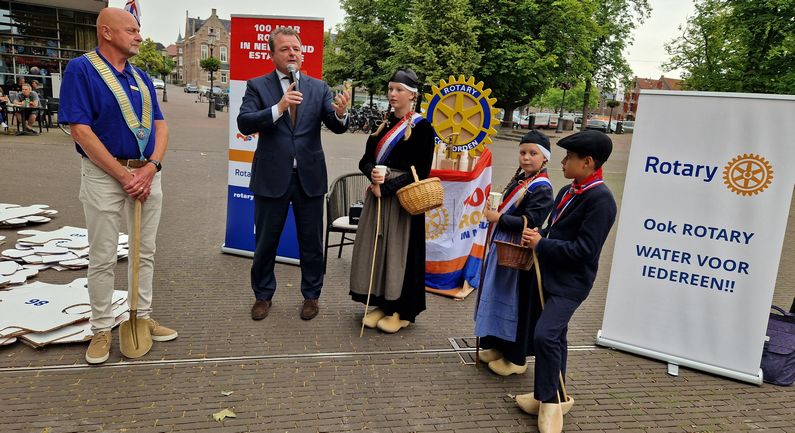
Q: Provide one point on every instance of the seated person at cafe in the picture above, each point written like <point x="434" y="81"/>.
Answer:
<point x="17" y="87"/>
<point x="3" y="102"/>
<point x="26" y="98"/>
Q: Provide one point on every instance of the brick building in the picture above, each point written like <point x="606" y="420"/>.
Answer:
<point x="632" y="95"/>
<point x="195" y="47"/>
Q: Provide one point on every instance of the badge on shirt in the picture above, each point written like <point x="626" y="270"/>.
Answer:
<point x="134" y="88"/>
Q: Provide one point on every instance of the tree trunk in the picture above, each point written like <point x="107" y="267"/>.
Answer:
<point x="507" y="116"/>
<point x="585" y="103"/>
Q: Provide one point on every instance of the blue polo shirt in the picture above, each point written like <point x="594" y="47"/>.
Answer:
<point x="87" y="100"/>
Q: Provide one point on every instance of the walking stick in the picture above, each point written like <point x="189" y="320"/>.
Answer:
<point x="372" y="266"/>
<point x="480" y="288"/>
<point x="541" y="297"/>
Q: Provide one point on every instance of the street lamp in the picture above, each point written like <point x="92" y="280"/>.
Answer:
<point x="211" y="97"/>
<point x="565" y="86"/>
<point x="165" y="87"/>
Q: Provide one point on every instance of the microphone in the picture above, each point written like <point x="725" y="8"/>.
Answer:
<point x="293" y="78"/>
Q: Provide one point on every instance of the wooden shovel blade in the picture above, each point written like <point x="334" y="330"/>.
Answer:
<point x="135" y="339"/>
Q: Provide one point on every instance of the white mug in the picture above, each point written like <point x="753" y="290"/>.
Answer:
<point x="381" y="169"/>
<point x="495" y="198"/>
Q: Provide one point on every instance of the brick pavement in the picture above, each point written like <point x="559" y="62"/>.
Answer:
<point x="296" y="376"/>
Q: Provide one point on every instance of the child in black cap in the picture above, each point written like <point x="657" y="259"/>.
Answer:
<point x="503" y="315"/>
<point x="568" y="254"/>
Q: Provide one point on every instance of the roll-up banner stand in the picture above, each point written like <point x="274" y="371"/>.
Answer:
<point x="703" y="216"/>
<point x="250" y="57"/>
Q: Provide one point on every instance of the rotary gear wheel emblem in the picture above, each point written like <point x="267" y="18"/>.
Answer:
<point x="461" y="112"/>
<point x="436" y="222"/>
<point x="748" y="174"/>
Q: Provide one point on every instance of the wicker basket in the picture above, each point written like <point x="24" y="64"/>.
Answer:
<point x="422" y="195"/>
<point x="515" y="256"/>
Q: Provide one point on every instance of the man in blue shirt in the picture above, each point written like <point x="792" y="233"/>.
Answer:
<point x="119" y="131"/>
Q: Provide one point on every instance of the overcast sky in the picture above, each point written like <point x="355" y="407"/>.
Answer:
<point x="162" y="20"/>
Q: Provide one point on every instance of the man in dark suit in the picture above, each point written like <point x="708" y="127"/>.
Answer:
<point x="289" y="166"/>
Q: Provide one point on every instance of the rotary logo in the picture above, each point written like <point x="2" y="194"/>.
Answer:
<point x="748" y="174"/>
<point x="436" y="222"/>
<point x="244" y="137"/>
<point x="462" y="114"/>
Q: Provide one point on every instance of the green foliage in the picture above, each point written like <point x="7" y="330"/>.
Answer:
<point x="210" y="64"/>
<point x="550" y="100"/>
<point x="439" y="40"/>
<point x="737" y="46"/>
<point x="168" y="66"/>
<point x="362" y="41"/>
<point x="615" y="20"/>
<point x="613" y="103"/>
<point x="148" y="58"/>
<point x="526" y="46"/>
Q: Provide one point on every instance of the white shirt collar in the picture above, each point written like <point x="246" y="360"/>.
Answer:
<point x="280" y="75"/>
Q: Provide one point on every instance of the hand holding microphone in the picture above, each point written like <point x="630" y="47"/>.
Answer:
<point x="292" y="96"/>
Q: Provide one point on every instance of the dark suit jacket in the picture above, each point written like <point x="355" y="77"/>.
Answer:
<point x="279" y="143"/>
<point x="569" y="251"/>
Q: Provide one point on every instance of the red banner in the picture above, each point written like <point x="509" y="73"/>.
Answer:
<point x="251" y="55"/>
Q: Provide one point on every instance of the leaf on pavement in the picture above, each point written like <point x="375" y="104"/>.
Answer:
<point x="226" y="413"/>
<point x="227" y="393"/>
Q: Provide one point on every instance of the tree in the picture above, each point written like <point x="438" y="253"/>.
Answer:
<point x="614" y="21"/>
<point x="550" y="100"/>
<point x="525" y="44"/>
<point x="148" y="58"/>
<point x="362" y="40"/>
<point x="737" y="46"/>
<point x="439" y="40"/>
<point x="210" y="64"/>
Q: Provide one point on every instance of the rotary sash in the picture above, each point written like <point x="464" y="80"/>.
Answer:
<point x="140" y="128"/>
<point x="391" y="138"/>
<point x="525" y="186"/>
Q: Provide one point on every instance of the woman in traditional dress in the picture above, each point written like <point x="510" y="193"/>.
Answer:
<point x="405" y="139"/>
<point x="506" y="309"/>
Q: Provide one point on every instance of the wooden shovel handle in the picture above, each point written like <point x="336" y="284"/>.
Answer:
<point x="136" y="255"/>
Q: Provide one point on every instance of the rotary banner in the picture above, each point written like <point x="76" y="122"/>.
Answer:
<point x="456" y="232"/>
<point x="703" y="219"/>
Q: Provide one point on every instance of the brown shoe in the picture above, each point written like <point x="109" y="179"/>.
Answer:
<point x="309" y="309"/>
<point x="99" y="349"/>
<point x="260" y="309"/>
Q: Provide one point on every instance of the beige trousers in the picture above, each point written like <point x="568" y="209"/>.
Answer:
<point x="105" y="204"/>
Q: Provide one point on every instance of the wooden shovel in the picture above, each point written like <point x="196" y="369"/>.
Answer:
<point x="135" y="339"/>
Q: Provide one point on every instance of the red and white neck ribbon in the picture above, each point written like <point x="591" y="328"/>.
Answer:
<point x="575" y="190"/>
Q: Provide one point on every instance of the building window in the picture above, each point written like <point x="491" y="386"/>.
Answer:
<point x="204" y="51"/>
<point x="223" y="77"/>
<point x="223" y="55"/>
<point x="179" y="50"/>
<point x="179" y="61"/>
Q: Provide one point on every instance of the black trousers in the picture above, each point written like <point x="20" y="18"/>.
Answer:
<point x="270" y="215"/>
<point x="550" y="346"/>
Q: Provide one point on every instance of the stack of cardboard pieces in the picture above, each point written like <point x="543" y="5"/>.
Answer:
<point x="39" y="314"/>
<point x="14" y="215"/>
<point x="65" y="248"/>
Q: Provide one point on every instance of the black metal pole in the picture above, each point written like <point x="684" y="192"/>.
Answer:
<point x="211" y="97"/>
<point x="610" y="118"/>
<point x="165" y="86"/>
<point x="560" y="116"/>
